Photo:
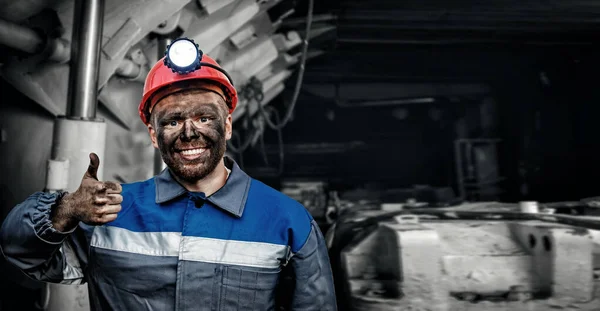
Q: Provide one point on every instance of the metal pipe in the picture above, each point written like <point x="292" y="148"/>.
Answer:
<point x="85" y="59"/>
<point x="163" y="42"/>
<point x="20" y="38"/>
<point x="29" y="41"/>
<point x="159" y="164"/>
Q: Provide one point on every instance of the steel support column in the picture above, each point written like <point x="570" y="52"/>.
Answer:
<point x="85" y="59"/>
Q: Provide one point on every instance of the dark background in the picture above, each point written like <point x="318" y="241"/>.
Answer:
<point x="537" y="58"/>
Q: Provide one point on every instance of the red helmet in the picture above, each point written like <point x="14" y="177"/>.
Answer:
<point x="161" y="76"/>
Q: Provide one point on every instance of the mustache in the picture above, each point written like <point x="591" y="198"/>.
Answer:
<point x="200" y="142"/>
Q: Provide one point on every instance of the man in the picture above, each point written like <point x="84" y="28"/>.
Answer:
<point x="201" y="235"/>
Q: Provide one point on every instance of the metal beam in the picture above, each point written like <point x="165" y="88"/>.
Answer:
<point x="456" y="16"/>
<point x="353" y="92"/>
<point x="302" y="20"/>
<point x="478" y="27"/>
<point x="317" y="148"/>
<point x="460" y="41"/>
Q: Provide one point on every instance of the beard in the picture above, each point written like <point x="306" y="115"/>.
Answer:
<point x="198" y="168"/>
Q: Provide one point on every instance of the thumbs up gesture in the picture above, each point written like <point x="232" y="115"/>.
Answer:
<point x="94" y="203"/>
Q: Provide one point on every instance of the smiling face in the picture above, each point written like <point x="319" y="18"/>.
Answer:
<point x="191" y="129"/>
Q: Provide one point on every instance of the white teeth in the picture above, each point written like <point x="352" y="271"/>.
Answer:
<point x="193" y="151"/>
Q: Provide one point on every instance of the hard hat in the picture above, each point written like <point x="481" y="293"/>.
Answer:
<point x="169" y="70"/>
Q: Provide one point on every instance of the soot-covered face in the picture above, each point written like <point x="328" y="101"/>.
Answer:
<point x="191" y="130"/>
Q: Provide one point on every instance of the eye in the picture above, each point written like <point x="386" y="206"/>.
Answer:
<point x="204" y="119"/>
<point x="173" y="123"/>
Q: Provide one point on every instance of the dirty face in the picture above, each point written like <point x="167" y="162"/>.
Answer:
<point x="190" y="129"/>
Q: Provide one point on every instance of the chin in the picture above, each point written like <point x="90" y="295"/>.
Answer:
<point x="196" y="169"/>
<point x="193" y="172"/>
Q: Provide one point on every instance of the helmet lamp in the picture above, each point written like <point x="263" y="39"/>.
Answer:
<point x="183" y="56"/>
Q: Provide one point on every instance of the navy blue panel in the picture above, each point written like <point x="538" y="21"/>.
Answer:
<point x="134" y="281"/>
<point x="268" y="217"/>
<point x="140" y="212"/>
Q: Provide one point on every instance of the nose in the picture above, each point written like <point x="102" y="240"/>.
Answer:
<point x="189" y="131"/>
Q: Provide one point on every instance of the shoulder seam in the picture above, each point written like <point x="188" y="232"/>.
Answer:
<point x="310" y="231"/>
<point x="246" y="194"/>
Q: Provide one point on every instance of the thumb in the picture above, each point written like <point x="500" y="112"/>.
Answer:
<point x="92" y="171"/>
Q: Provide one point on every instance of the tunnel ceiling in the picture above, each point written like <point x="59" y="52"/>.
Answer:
<point x="389" y="50"/>
<point x="400" y="39"/>
<point x="446" y="44"/>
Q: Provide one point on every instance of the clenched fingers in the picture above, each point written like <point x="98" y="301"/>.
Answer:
<point x="108" y="187"/>
<point x="109" y="209"/>
<point x="113" y="187"/>
<point x="108" y="199"/>
<point x="106" y="213"/>
<point x="102" y="219"/>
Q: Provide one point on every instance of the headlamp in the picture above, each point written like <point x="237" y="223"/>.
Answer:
<point x="183" y="56"/>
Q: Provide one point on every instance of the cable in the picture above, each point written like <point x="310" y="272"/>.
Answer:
<point x="262" y="148"/>
<point x="241" y="154"/>
<point x="252" y="91"/>
<point x="279" y="141"/>
<point x="243" y="146"/>
<point x="288" y="114"/>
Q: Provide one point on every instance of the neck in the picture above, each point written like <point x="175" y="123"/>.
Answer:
<point x="209" y="184"/>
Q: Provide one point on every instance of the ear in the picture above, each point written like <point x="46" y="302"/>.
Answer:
<point x="152" y="133"/>
<point x="228" y="127"/>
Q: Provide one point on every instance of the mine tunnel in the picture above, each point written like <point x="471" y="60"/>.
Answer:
<point x="342" y="155"/>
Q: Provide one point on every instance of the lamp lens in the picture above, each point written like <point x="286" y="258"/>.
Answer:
<point x="183" y="53"/>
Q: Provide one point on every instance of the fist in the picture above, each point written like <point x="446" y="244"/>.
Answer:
<point x="94" y="203"/>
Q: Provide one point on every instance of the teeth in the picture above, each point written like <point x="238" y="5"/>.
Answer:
<point x="193" y="151"/>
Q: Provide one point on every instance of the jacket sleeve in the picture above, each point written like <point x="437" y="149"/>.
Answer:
<point x="29" y="242"/>
<point x="314" y="289"/>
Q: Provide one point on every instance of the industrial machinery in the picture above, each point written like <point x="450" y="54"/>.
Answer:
<point x="477" y="256"/>
<point x="40" y="53"/>
<point x="84" y="63"/>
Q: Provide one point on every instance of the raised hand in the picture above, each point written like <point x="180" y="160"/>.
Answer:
<point x="94" y="203"/>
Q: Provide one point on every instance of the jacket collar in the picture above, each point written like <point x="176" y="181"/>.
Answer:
<point x="231" y="197"/>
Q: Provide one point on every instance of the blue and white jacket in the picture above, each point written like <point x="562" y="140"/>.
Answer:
<point x="170" y="249"/>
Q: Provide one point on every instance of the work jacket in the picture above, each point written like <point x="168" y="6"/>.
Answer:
<point x="171" y="249"/>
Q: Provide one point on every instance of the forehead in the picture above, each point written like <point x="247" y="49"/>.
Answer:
<point x="186" y="100"/>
